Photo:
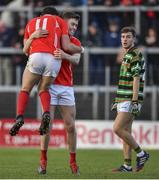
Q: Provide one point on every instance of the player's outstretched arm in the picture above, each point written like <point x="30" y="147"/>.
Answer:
<point x="36" y="34"/>
<point x="67" y="46"/>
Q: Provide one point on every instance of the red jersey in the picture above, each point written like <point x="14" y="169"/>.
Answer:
<point x="65" y="76"/>
<point x="55" y="26"/>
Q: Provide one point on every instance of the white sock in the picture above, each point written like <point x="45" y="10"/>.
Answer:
<point x="127" y="167"/>
<point x="140" y="153"/>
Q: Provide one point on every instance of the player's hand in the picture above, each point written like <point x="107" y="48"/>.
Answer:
<point x="135" y="108"/>
<point x="82" y="49"/>
<point x="39" y="33"/>
<point x="114" y="106"/>
<point x="58" y="54"/>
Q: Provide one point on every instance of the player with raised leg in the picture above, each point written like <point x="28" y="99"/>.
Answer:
<point x="42" y="67"/>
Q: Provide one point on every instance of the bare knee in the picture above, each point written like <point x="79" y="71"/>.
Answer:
<point x="26" y="89"/>
<point x="117" y="130"/>
<point x="70" y="128"/>
<point x="44" y="84"/>
<point x="42" y="88"/>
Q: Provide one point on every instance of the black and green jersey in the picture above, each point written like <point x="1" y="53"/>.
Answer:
<point x="132" y="65"/>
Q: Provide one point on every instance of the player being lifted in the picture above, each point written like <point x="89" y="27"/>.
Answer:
<point x="129" y="99"/>
<point x="42" y="67"/>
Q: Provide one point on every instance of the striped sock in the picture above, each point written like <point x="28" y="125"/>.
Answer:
<point x="127" y="162"/>
<point x="138" y="149"/>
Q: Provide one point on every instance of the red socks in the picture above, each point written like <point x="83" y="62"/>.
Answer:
<point x="23" y="99"/>
<point x="43" y="156"/>
<point x="72" y="157"/>
<point x="45" y="100"/>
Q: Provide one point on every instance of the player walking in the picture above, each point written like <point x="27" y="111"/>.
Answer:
<point x="129" y="99"/>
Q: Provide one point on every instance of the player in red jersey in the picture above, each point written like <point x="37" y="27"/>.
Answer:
<point x="62" y="95"/>
<point x="42" y="66"/>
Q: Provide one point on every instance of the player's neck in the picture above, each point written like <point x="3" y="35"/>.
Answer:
<point x="128" y="49"/>
<point x="48" y="15"/>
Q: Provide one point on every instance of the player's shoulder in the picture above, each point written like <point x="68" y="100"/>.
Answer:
<point x="58" y="18"/>
<point x="35" y="18"/>
<point x="61" y="21"/>
<point x="75" y="40"/>
<point x="134" y="53"/>
<point x="32" y="20"/>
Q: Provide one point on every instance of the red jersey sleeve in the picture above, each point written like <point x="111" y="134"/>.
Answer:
<point x="26" y="33"/>
<point x="63" y="25"/>
<point x="75" y="41"/>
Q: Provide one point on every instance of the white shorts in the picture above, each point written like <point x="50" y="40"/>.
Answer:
<point x="43" y="64"/>
<point x="62" y="95"/>
<point x="125" y="106"/>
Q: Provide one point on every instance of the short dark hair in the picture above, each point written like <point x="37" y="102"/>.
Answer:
<point x="49" y="10"/>
<point x="129" y="29"/>
<point x="70" y="15"/>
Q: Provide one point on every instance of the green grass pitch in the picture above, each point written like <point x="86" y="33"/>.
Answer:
<point x="20" y="163"/>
